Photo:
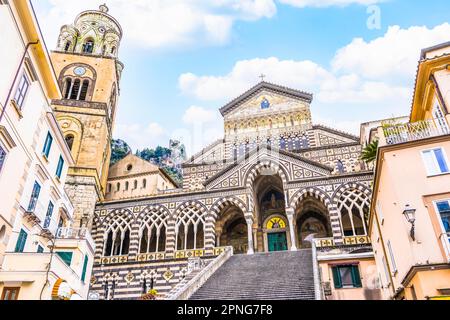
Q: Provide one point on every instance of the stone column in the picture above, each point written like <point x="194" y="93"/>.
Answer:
<point x="336" y="227"/>
<point x="290" y="212"/>
<point x="134" y="241"/>
<point x="210" y="234"/>
<point x="249" y="219"/>
<point x="170" y="238"/>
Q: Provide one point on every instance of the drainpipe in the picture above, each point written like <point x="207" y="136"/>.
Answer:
<point x="16" y="76"/>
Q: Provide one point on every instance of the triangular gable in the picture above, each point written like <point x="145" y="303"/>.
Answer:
<point x="138" y="165"/>
<point x="293" y="166"/>
<point x="265" y="86"/>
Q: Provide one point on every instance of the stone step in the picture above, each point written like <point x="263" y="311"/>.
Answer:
<point x="265" y="276"/>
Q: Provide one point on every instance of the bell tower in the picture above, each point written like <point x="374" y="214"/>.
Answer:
<point x="89" y="71"/>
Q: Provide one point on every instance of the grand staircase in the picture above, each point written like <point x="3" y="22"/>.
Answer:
<point x="282" y="275"/>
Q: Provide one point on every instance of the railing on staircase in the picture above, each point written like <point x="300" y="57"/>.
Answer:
<point x="317" y="281"/>
<point x="188" y="286"/>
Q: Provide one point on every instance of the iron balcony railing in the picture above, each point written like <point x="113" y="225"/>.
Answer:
<point x="415" y="131"/>
<point x="75" y="233"/>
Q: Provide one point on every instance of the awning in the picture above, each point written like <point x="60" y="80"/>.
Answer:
<point x="61" y="290"/>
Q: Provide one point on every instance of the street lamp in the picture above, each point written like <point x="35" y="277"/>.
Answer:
<point x="410" y="216"/>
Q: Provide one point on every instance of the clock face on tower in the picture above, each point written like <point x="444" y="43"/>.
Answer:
<point x="79" y="71"/>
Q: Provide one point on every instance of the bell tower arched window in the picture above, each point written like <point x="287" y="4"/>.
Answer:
<point x="67" y="46"/>
<point x="75" y="89"/>
<point x="69" y="140"/>
<point x="88" y="46"/>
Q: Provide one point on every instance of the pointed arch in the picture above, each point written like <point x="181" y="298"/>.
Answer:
<point x="118" y="233"/>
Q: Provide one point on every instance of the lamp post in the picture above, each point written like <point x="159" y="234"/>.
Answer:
<point x="410" y="215"/>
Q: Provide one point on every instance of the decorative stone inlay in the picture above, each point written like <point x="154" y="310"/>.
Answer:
<point x="168" y="275"/>
<point x="129" y="277"/>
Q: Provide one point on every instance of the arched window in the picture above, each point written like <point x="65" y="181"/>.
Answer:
<point x="68" y="88"/>
<point x="113" y="50"/>
<point x="67" y="46"/>
<point x="282" y="144"/>
<point x="84" y="90"/>
<point x="144" y="183"/>
<point x="88" y="46"/>
<point x="152" y="233"/>
<point x="69" y="140"/>
<point x="118" y="236"/>
<point x="135" y="184"/>
<point x="354" y="210"/>
<point x="127" y="185"/>
<point x="108" y="189"/>
<point x="189" y="229"/>
<point x="75" y="90"/>
<point x="118" y="186"/>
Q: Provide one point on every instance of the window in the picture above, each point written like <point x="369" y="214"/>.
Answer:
<point x="386" y="270"/>
<point x="2" y="157"/>
<point x="127" y="185"/>
<point x="391" y="253"/>
<point x="65" y="256"/>
<point x="135" y="184"/>
<point x="118" y="186"/>
<point x="85" y="264"/>
<point x="47" y="145"/>
<point x="34" y="197"/>
<point x="40" y="249"/>
<point x="67" y="46"/>
<point x="21" y="91"/>
<point x="10" y="293"/>
<point x="443" y="208"/>
<point x="69" y="140"/>
<point x="21" y="240"/>
<point x="84" y="90"/>
<point x="435" y="161"/>
<point x="88" y="46"/>
<point x="75" y="90"/>
<point x="60" y="167"/>
<point x="346" y="277"/>
<point x="68" y="88"/>
<point x="48" y="217"/>
<point x="144" y="183"/>
<point x="108" y="189"/>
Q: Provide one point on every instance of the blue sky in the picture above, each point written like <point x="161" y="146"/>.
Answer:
<point x="184" y="59"/>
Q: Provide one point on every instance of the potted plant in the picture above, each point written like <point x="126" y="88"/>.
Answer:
<point x="151" y="295"/>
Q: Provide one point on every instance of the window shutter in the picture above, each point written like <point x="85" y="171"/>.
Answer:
<point x="66" y="257"/>
<point x="85" y="263"/>
<point x="337" y="278"/>
<point x="356" y="277"/>
<point x="20" y="245"/>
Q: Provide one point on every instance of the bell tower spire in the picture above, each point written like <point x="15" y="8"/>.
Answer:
<point x="86" y="61"/>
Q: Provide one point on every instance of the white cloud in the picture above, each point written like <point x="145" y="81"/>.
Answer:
<point x="328" y="3"/>
<point x="394" y="55"/>
<point x="139" y="136"/>
<point x="198" y="115"/>
<point x="377" y="71"/>
<point x="162" y="23"/>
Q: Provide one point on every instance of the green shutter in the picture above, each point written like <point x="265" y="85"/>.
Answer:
<point x="20" y="245"/>
<point x="66" y="257"/>
<point x="83" y="274"/>
<point x="337" y="278"/>
<point x="356" y="277"/>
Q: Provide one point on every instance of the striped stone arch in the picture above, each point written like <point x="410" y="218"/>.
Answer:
<point x="220" y="204"/>
<point x="152" y="208"/>
<point x="114" y="213"/>
<point x="255" y="170"/>
<point x="190" y="203"/>
<point x="351" y="186"/>
<point x="310" y="192"/>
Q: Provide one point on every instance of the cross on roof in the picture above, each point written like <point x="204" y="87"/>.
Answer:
<point x="262" y="76"/>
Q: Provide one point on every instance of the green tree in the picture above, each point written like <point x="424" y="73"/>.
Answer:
<point x="369" y="153"/>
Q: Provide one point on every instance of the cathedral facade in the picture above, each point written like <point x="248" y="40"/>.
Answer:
<point x="274" y="180"/>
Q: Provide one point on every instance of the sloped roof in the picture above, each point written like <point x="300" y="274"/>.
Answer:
<point x="307" y="97"/>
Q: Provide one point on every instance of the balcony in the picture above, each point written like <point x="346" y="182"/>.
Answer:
<point x="75" y="234"/>
<point x="32" y="267"/>
<point x="408" y="132"/>
<point x="350" y="245"/>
